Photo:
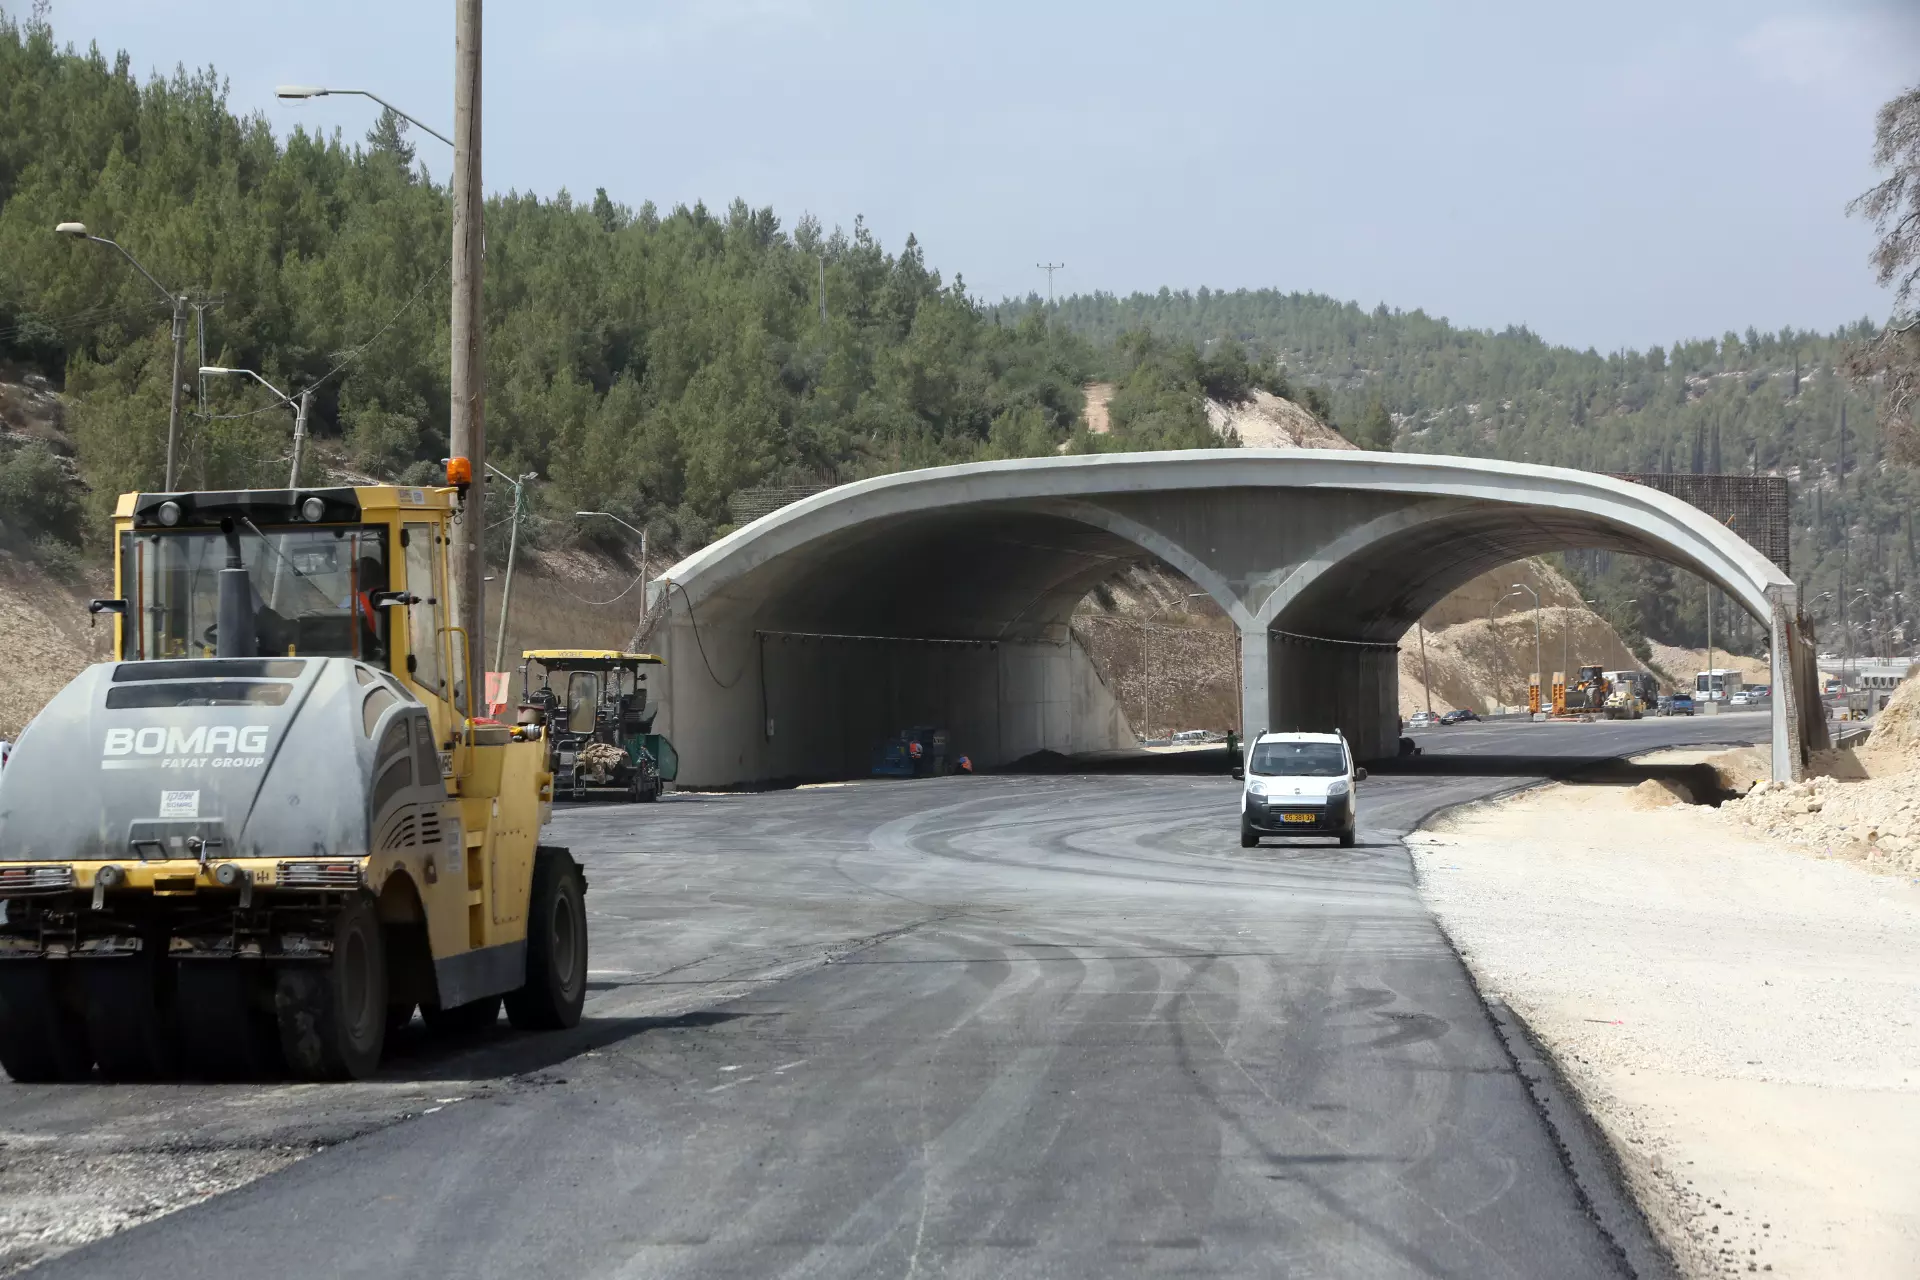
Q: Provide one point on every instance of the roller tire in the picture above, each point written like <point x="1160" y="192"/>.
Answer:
<point x="556" y="985"/>
<point x="227" y="1029"/>
<point x="333" y="1015"/>
<point x="468" y="1019"/>
<point x="129" y="1010"/>
<point x="43" y="1040"/>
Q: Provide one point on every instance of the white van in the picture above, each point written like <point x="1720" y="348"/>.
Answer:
<point x="1298" y="784"/>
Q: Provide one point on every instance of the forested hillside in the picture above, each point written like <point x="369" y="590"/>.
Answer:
<point x="645" y="362"/>
<point x="1774" y="402"/>
<point x="652" y="363"/>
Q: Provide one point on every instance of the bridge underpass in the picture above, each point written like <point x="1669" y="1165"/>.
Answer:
<point x="944" y="597"/>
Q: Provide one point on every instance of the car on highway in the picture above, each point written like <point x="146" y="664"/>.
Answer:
<point x="1423" y="720"/>
<point x="1298" y="784"/>
<point x="1459" y="715"/>
<point x="1677" y="704"/>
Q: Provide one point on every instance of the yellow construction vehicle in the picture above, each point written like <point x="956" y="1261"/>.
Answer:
<point x="277" y="823"/>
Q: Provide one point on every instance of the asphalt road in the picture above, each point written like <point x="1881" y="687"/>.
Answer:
<point x="1048" y="1026"/>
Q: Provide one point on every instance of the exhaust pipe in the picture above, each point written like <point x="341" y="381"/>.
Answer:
<point x="234" y="636"/>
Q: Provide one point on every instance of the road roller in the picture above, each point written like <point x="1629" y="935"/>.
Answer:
<point x="279" y="822"/>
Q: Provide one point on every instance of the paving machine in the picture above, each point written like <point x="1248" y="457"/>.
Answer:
<point x="276" y="823"/>
<point x="600" y="738"/>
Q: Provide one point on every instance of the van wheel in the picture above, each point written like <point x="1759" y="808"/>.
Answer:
<point x="556" y="946"/>
<point x="43" y="1039"/>
<point x="1347" y="838"/>
<point x="1249" y="838"/>
<point x="333" y="1015"/>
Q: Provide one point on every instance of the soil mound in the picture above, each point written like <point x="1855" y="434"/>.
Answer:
<point x="1894" y="746"/>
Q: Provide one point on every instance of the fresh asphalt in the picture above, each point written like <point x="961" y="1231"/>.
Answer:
<point x="1055" y="1026"/>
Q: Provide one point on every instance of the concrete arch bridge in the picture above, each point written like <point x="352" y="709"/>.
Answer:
<point x="944" y="596"/>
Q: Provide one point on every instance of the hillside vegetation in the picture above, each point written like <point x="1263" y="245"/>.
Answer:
<point x="641" y="361"/>
<point x="655" y="363"/>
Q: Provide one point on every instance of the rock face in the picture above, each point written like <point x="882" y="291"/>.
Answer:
<point x="1267" y="421"/>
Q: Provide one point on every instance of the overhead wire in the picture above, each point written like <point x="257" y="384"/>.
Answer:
<point x="345" y="358"/>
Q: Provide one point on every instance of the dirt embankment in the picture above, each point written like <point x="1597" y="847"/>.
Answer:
<point x="44" y="633"/>
<point x="1735" y="1014"/>
<point x="1862" y="804"/>
<point x="1266" y="421"/>
<point x="1682" y="664"/>
<point x="1172" y="658"/>
<point x="1484" y="665"/>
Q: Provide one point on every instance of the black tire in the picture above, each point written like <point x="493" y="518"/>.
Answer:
<point x="43" y="1038"/>
<point x="1249" y="838"/>
<point x="1347" y="838"/>
<point x="129" y="1004"/>
<point x="333" y="1015"/>
<point x="227" y="1029"/>
<point x="556" y="985"/>
<point x="463" y="1019"/>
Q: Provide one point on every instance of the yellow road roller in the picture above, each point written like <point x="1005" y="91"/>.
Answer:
<point x="278" y="822"/>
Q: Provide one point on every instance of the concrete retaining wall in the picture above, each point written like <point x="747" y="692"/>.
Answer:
<point x="791" y="707"/>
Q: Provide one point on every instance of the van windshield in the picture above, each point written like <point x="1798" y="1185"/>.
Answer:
<point x="1299" y="760"/>
<point x="312" y="592"/>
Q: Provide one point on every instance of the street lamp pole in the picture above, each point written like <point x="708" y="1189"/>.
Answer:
<point x="1538" y="674"/>
<point x="638" y="533"/>
<point x="78" y="230"/>
<point x="294" y="92"/>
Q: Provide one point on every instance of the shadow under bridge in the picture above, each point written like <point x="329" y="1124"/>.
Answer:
<point x="944" y="596"/>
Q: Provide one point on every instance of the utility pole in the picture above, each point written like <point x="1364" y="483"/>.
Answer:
<point x="1050" y="268"/>
<point x="299" y="437"/>
<point x="1709" y="642"/>
<point x="173" y="410"/>
<point x="469" y="372"/>
<point x="1426" y="674"/>
<point x="513" y="545"/>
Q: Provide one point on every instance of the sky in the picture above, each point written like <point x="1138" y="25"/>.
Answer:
<point x="1610" y="175"/>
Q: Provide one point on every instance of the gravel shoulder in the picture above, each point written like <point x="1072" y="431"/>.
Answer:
<point x="1741" y="1016"/>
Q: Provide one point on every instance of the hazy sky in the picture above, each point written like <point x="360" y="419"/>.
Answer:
<point x="1610" y="175"/>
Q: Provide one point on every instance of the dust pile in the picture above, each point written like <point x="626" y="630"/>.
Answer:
<point x="1865" y="806"/>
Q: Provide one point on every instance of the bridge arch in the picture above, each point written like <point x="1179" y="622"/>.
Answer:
<point x="944" y="595"/>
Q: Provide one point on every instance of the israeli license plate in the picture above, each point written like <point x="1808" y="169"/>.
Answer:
<point x="1298" y="817"/>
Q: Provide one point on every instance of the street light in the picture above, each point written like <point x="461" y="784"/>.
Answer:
<point x="513" y="545"/>
<point x="78" y="230"/>
<point x="641" y="533"/>
<point x="299" y="413"/>
<point x="300" y="92"/>
<point x="1538" y="675"/>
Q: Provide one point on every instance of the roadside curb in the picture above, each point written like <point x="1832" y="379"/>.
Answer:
<point x="1583" y="1148"/>
<point x="1599" y="1181"/>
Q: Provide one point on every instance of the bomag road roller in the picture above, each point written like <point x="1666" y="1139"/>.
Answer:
<point x="276" y="824"/>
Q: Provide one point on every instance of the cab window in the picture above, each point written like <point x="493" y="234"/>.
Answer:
<point x="426" y="578"/>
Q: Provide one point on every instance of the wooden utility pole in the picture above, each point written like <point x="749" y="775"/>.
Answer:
<point x="466" y="562"/>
